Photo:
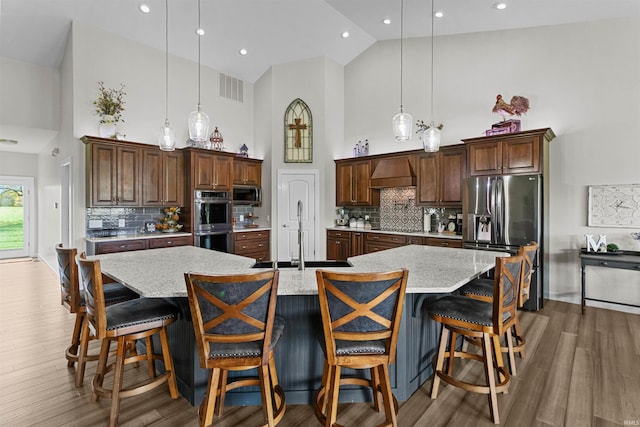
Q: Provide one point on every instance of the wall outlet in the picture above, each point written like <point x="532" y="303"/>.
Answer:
<point x="95" y="223"/>
<point x="121" y="222"/>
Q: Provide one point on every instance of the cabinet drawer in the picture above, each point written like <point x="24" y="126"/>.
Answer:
<point x="170" y="241"/>
<point x="258" y="256"/>
<point x="414" y="240"/>
<point x="449" y="243"/>
<point x="250" y="235"/>
<point x="394" y="239"/>
<point x="254" y="245"/>
<point x="335" y="234"/>
<point x="120" y="246"/>
<point x="371" y="247"/>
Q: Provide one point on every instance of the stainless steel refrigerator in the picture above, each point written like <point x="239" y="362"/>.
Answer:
<point x="502" y="213"/>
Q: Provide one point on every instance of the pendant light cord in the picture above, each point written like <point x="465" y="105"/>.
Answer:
<point x="401" y="50"/>
<point x="166" y="60"/>
<point x="199" y="37"/>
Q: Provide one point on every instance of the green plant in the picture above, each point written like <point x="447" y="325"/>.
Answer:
<point x="422" y="126"/>
<point x="612" y="247"/>
<point x="110" y="102"/>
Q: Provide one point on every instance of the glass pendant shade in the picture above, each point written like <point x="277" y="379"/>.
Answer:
<point x="402" y="126"/>
<point x="199" y="125"/>
<point x="167" y="137"/>
<point x="431" y="139"/>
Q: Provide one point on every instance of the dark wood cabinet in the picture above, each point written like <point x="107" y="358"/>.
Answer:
<point x="113" y="174"/>
<point x="353" y="184"/>
<point x="440" y="177"/>
<point x="415" y="240"/>
<point x="121" y="246"/>
<point x="252" y="244"/>
<point x="162" y="177"/>
<point x="448" y="243"/>
<point x="247" y="172"/>
<point x="357" y="243"/>
<point x="165" y="242"/>
<point x="516" y="153"/>
<point x="338" y="245"/>
<point x="374" y="242"/>
<point x="211" y="171"/>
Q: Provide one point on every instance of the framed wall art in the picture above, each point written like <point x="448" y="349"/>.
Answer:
<point x="614" y="206"/>
<point x="298" y="133"/>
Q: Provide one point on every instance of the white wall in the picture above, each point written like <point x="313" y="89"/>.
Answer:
<point x="582" y="81"/>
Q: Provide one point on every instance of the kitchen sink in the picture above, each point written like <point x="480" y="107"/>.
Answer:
<point x="309" y="264"/>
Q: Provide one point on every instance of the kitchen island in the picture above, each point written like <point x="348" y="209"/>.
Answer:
<point x="299" y="358"/>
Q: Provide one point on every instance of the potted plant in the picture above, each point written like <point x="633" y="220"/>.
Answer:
<point x="109" y="106"/>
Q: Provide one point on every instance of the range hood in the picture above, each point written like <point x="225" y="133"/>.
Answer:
<point x="393" y="172"/>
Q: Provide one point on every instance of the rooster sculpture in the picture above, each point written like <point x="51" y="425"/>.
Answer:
<point x="518" y="105"/>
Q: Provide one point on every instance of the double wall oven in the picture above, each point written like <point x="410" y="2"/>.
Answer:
<point x="212" y="220"/>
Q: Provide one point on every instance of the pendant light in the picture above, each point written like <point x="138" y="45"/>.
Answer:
<point x="402" y="122"/>
<point x="167" y="137"/>
<point x="431" y="136"/>
<point x="198" y="119"/>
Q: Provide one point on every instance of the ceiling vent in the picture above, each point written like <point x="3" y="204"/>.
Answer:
<point x="231" y="88"/>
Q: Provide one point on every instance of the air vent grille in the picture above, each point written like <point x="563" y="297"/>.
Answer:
<point x="231" y="88"/>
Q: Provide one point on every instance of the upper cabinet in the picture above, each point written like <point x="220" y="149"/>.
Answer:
<point x="162" y="177"/>
<point x="113" y="176"/>
<point x="211" y="171"/>
<point x="515" y="153"/>
<point x="353" y="184"/>
<point x="247" y="171"/>
<point x="440" y="176"/>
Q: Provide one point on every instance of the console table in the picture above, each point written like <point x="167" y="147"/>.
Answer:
<point x="626" y="260"/>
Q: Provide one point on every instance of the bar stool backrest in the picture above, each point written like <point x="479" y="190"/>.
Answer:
<point x="505" y="292"/>
<point x="68" y="271"/>
<point x="229" y="310"/>
<point x="361" y="307"/>
<point x="91" y="281"/>
<point x="529" y="253"/>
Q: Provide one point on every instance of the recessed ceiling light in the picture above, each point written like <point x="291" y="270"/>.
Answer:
<point x="439" y="14"/>
<point x="200" y="31"/>
<point x="386" y="21"/>
<point x="500" y="6"/>
<point x="345" y="34"/>
<point x="242" y="52"/>
<point x="144" y="8"/>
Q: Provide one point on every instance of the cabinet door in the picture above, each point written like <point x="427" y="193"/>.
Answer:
<point x="103" y="175"/>
<point x="203" y="171"/>
<point x="246" y="172"/>
<point x="353" y="184"/>
<point x="521" y="155"/>
<point x="338" y="248"/>
<point x="357" y="243"/>
<point x="151" y="177"/>
<point x="485" y="158"/>
<point x="362" y="190"/>
<point x="173" y="178"/>
<point x="427" y="188"/>
<point x="128" y="167"/>
<point x="344" y="182"/>
<point x="453" y="170"/>
<point x="222" y="173"/>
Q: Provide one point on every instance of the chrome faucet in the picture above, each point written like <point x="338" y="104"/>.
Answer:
<point x="300" y="242"/>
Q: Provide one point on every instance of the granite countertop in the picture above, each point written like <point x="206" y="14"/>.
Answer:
<point x="133" y="236"/>
<point x="160" y="272"/>
<point x="245" y="229"/>
<point x="444" y="235"/>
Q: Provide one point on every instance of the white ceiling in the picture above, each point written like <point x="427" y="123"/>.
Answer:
<point x="273" y="31"/>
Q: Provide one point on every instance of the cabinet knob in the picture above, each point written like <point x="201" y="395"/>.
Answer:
<point x="604" y="263"/>
<point x="445" y="244"/>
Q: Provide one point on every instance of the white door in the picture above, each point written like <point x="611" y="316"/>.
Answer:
<point x="294" y="187"/>
<point x="16" y="212"/>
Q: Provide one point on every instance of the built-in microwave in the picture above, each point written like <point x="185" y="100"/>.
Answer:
<point x="247" y="195"/>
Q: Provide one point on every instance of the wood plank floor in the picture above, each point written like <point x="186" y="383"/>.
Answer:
<point x="579" y="371"/>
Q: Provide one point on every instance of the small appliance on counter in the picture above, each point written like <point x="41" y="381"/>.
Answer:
<point x="342" y="219"/>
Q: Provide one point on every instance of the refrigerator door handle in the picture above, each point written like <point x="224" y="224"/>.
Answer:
<point x="493" y="183"/>
<point x="499" y="210"/>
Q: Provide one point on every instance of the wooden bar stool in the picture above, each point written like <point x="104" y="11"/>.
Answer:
<point x="361" y="315"/>
<point x="486" y="321"/>
<point x="73" y="299"/>
<point x="482" y="289"/>
<point x="236" y="327"/>
<point x="136" y="319"/>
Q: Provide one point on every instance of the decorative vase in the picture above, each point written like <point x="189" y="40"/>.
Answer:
<point x="108" y="127"/>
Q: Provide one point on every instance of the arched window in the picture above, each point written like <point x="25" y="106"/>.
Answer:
<point x="298" y="133"/>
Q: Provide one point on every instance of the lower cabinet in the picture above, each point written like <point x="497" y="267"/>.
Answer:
<point x="338" y="245"/>
<point x="448" y="243"/>
<point x="252" y="244"/>
<point x="140" y="244"/>
<point x="374" y="242"/>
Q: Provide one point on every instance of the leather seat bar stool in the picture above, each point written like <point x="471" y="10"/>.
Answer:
<point x="482" y="289"/>
<point x="469" y="317"/>
<point x="236" y="329"/>
<point x="361" y="314"/>
<point x="137" y="319"/>
<point x="73" y="299"/>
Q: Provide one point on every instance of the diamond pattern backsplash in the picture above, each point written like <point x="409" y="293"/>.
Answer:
<point x="398" y="210"/>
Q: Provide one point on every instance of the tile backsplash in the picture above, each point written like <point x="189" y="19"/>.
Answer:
<point x="106" y="221"/>
<point x="398" y="210"/>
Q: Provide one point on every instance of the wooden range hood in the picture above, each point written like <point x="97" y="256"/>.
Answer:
<point x="393" y="172"/>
